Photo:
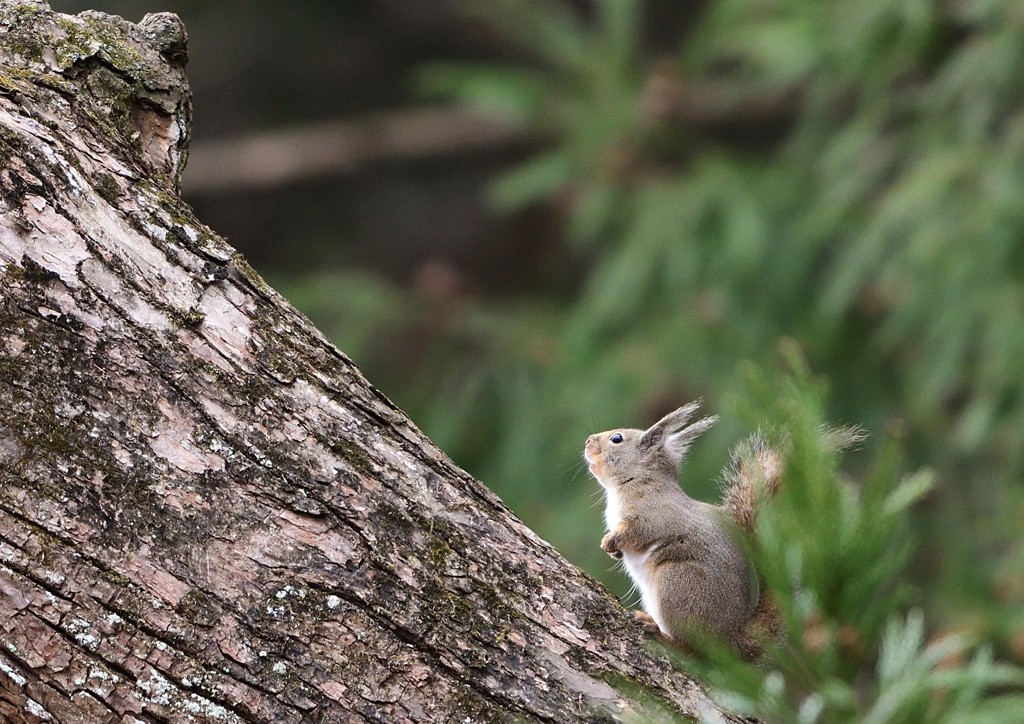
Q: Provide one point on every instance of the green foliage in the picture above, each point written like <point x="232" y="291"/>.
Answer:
<point x="840" y="545"/>
<point x="587" y="66"/>
<point x="833" y="552"/>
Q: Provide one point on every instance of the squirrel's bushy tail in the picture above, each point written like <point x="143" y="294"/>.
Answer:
<point x="753" y="476"/>
<point x="755" y="471"/>
<point x="764" y="625"/>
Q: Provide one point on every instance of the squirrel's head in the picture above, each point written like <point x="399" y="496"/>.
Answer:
<point x="617" y="456"/>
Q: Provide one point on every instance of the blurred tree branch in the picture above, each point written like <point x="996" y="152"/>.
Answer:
<point x="276" y="158"/>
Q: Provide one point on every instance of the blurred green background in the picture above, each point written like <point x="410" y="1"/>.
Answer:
<point x="667" y="190"/>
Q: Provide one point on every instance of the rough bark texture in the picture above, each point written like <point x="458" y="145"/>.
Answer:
<point x="206" y="512"/>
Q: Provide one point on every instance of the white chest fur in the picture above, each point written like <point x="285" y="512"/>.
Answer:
<point x="635" y="563"/>
<point x="612" y="509"/>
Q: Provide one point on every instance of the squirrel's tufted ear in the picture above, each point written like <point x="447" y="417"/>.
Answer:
<point x="678" y="443"/>
<point x="673" y="434"/>
<point x="670" y="422"/>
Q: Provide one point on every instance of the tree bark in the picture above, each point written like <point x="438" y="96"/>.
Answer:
<point x="206" y="512"/>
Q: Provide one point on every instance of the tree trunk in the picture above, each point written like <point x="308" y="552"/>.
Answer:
<point x="206" y="512"/>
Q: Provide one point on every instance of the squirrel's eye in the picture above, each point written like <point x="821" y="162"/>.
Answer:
<point x="617" y="438"/>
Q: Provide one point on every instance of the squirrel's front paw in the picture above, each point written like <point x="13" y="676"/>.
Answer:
<point x="610" y="546"/>
<point x="645" y="620"/>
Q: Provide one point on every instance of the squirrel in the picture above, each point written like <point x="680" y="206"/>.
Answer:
<point x="683" y="554"/>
